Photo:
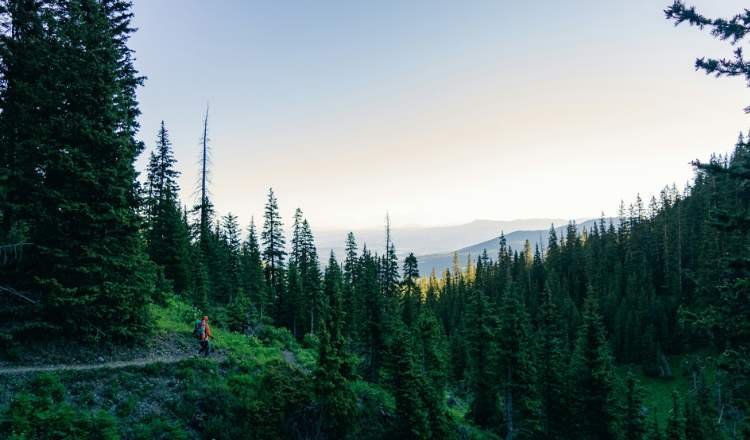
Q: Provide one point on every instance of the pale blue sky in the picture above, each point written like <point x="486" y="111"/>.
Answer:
<point x="438" y="112"/>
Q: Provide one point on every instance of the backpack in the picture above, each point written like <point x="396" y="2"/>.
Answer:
<point x="199" y="330"/>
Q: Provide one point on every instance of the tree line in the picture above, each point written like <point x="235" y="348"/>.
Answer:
<point x="534" y="339"/>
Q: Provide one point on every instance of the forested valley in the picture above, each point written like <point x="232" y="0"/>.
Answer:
<point x="638" y="328"/>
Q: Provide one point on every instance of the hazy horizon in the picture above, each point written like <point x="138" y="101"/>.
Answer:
<point x="437" y="112"/>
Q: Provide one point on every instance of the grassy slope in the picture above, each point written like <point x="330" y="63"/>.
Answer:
<point x="134" y="393"/>
<point x="177" y="319"/>
<point x="658" y="392"/>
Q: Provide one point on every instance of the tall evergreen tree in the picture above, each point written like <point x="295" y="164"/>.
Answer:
<point x="729" y="315"/>
<point x="412" y="415"/>
<point x="389" y="282"/>
<point x="310" y="273"/>
<point x="517" y="370"/>
<point x="336" y="398"/>
<point x="273" y="250"/>
<point x="352" y="303"/>
<point x="252" y="280"/>
<point x="410" y="291"/>
<point x="232" y="248"/>
<point x="480" y="334"/>
<point x="168" y="239"/>
<point x="432" y="360"/>
<point x="553" y="365"/>
<point x="634" y="418"/>
<point x="592" y="370"/>
<point x="68" y="100"/>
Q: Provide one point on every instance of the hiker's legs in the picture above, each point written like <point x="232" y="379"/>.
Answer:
<point x="204" y="348"/>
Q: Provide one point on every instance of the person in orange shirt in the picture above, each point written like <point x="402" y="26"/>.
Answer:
<point x="205" y="334"/>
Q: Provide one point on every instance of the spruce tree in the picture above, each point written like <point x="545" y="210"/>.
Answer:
<point x="480" y="335"/>
<point x="252" y="281"/>
<point x="728" y="316"/>
<point x="412" y="415"/>
<point x="232" y="247"/>
<point x="373" y="331"/>
<point x="310" y="272"/>
<point x="553" y="366"/>
<point x="433" y="364"/>
<point x="168" y="239"/>
<point x="334" y="395"/>
<point x="634" y="418"/>
<point x="352" y="304"/>
<point x="593" y="377"/>
<point x="389" y="277"/>
<point x="517" y="370"/>
<point x="273" y="250"/>
<point x="410" y="292"/>
<point x="87" y="261"/>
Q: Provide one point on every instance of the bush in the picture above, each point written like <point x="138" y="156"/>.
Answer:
<point x="42" y="413"/>
<point x="374" y="412"/>
<point x="311" y="340"/>
<point x="278" y="404"/>
<point x="159" y="429"/>
<point x="277" y="336"/>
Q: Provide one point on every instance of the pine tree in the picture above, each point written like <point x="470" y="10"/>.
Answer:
<point x="233" y="247"/>
<point x="411" y="294"/>
<point x="310" y="272"/>
<point x="373" y="329"/>
<point x="290" y="308"/>
<point x="412" y="415"/>
<point x="553" y="365"/>
<point x="634" y="419"/>
<point x="252" y="281"/>
<point x="336" y="398"/>
<point x="479" y="341"/>
<point x="517" y="370"/>
<point x="593" y="375"/>
<point x="161" y="181"/>
<point x="168" y="239"/>
<point x="389" y="278"/>
<point x="273" y="250"/>
<point x="433" y="366"/>
<point x="352" y="303"/>
<point x="77" y="167"/>
<point x="729" y="315"/>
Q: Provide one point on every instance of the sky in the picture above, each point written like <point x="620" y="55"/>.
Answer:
<point x="436" y="112"/>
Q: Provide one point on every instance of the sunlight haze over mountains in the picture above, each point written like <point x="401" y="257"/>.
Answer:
<point x="437" y="112"/>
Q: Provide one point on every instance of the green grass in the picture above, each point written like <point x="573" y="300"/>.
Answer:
<point x="177" y="318"/>
<point x="658" y="392"/>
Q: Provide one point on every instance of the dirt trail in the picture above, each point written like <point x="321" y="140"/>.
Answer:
<point x="113" y="364"/>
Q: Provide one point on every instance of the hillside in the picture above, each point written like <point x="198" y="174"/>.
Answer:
<point x="174" y="394"/>
<point x="428" y="240"/>
<point x="515" y="239"/>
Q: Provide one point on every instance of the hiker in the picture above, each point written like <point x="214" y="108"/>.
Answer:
<point x="202" y="332"/>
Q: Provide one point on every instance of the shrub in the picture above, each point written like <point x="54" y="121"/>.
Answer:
<point x="157" y="428"/>
<point x="42" y="413"/>
<point x="276" y="336"/>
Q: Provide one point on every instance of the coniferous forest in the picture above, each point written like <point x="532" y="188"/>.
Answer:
<point x="635" y="328"/>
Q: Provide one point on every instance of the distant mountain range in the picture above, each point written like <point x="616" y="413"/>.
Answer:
<point x="515" y="239"/>
<point x="428" y="240"/>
